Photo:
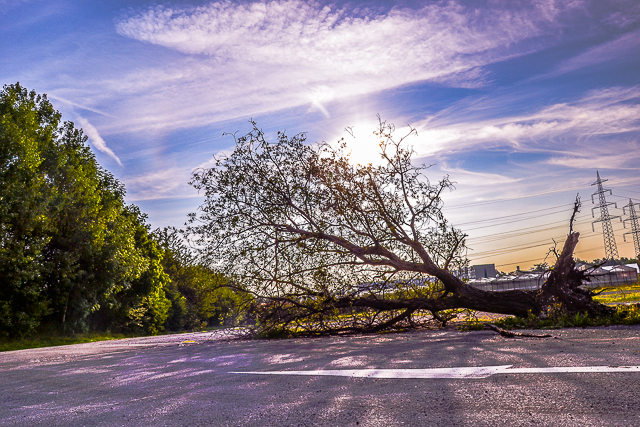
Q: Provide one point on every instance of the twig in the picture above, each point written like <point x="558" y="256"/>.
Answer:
<point x="511" y="334"/>
<point x="576" y="209"/>
<point x="553" y="250"/>
<point x="349" y="130"/>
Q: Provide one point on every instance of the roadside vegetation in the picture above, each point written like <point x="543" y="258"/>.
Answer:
<point x="75" y="259"/>
<point x="627" y="314"/>
<point x="42" y="340"/>
<point x="622" y="294"/>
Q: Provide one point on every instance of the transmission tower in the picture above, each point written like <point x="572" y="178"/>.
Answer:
<point x="635" y="228"/>
<point x="610" y="247"/>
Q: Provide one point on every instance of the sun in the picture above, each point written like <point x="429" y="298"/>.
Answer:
<point x="362" y="144"/>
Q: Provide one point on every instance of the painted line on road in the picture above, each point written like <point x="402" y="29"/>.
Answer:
<point x="459" y="373"/>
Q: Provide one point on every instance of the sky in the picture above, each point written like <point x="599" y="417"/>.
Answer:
<point x="518" y="102"/>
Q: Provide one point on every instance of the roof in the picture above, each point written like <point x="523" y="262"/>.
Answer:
<point x="625" y="267"/>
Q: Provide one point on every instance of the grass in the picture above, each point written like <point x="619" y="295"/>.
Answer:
<point x="624" y="315"/>
<point x="633" y="287"/>
<point x="52" y="341"/>
<point x="629" y="293"/>
<point x="619" y="297"/>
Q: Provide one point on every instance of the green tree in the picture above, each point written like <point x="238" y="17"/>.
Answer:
<point x="199" y="295"/>
<point x="84" y="212"/>
<point x="72" y="254"/>
<point x="138" y="302"/>
<point x="28" y="127"/>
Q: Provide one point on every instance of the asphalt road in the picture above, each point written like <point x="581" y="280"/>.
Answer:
<point x="165" y="381"/>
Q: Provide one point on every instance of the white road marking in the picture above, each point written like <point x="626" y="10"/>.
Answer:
<point x="463" y="372"/>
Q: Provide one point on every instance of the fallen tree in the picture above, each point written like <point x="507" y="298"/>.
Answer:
<point x="328" y="246"/>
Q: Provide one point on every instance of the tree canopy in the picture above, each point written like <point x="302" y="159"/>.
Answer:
<point x="326" y="245"/>
<point x="73" y="256"/>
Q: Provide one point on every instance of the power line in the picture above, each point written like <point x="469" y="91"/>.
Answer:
<point x="504" y="251"/>
<point x="521" y="262"/>
<point x="630" y="191"/>
<point x="625" y="197"/>
<point x="518" y="214"/>
<point x="508" y="199"/>
<point x="540" y="242"/>
<point x="540" y="259"/>
<point x="551" y="226"/>
<point x="517" y="233"/>
<point x="514" y="221"/>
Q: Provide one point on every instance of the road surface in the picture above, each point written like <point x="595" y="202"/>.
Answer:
<point x="425" y="378"/>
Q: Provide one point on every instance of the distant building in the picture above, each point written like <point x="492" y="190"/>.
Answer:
<point x="483" y="271"/>
<point x="618" y="275"/>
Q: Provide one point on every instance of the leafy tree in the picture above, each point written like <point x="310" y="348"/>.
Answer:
<point x="72" y="254"/>
<point x="88" y="240"/>
<point x="136" y="298"/>
<point x="199" y="295"/>
<point x="327" y="246"/>
<point x="28" y="125"/>
<point x="540" y="268"/>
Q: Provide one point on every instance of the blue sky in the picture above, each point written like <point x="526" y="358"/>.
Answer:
<point x="519" y="102"/>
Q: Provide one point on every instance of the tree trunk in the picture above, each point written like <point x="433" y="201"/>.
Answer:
<point x="560" y="291"/>
<point x="563" y="287"/>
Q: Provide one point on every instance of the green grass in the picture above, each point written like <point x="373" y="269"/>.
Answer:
<point x="624" y="315"/>
<point x="628" y="293"/>
<point x="634" y="287"/>
<point x="621" y="296"/>
<point x="52" y="341"/>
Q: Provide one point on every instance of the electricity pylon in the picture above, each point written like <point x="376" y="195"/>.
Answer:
<point x="635" y="228"/>
<point x="610" y="247"/>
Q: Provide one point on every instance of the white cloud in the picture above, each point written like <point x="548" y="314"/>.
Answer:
<point x="168" y="182"/>
<point x="620" y="49"/>
<point x="623" y="13"/>
<point x="96" y="139"/>
<point x="248" y="59"/>
<point x="615" y="161"/>
<point x="469" y="178"/>
<point x="569" y="130"/>
<point x="295" y="33"/>
<point x="83" y="107"/>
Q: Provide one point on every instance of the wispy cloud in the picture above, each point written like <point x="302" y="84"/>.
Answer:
<point x="623" y="13"/>
<point x="45" y="11"/>
<point x="96" y="139"/>
<point x="7" y="4"/>
<point x="334" y="40"/>
<point x="553" y="152"/>
<point x="246" y="59"/>
<point x="620" y="49"/>
<point x="167" y="183"/>
<point x="618" y="161"/>
<point x="568" y="130"/>
<point x="170" y="182"/>
<point x="75" y="104"/>
<point x="469" y="178"/>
